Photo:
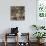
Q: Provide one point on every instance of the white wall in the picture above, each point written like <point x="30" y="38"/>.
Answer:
<point x="30" y="15"/>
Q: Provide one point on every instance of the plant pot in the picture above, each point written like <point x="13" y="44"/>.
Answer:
<point x="40" y="41"/>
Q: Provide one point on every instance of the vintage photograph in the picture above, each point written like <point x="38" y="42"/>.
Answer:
<point x="17" y="13"/>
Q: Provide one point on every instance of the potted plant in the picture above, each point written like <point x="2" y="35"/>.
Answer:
<point x="35" y="26"/>
<point x="39" y="36"/>
<point x="42" y="27"/>
<point x="38" y="27"/>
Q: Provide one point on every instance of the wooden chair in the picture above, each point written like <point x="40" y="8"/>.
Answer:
<point x="27" y="43"/>
<point x="8" y="34"/>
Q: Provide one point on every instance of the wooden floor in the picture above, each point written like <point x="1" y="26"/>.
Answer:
<point x="13" y="44"/>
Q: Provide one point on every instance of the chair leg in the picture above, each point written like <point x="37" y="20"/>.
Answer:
<point x="5" y="43"/>
<point x="17" y="39"/>
<point x="5" y="40"/>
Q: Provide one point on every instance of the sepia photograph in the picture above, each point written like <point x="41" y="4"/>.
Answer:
<point x="17" y="12"/>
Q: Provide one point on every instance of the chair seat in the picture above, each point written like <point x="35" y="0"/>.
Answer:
<point x="9" y="34"/>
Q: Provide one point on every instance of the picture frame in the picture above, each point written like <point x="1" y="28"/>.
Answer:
<point x="17" y="13"/>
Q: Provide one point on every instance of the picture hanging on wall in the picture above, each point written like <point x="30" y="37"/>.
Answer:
<point x="41" y="8"/>
<point x="17" y="13"/>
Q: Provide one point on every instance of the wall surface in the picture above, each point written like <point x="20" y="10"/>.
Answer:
<point x="24" y="26"/>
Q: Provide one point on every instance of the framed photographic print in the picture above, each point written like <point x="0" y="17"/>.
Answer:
<point x="17" y="13"/>
<point x="41" y="12"/>
<point x="41" y="8"/>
